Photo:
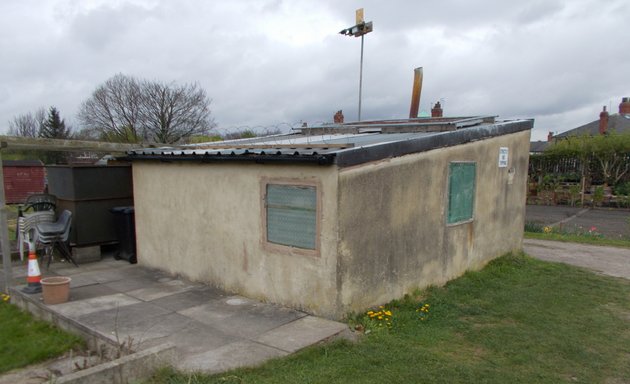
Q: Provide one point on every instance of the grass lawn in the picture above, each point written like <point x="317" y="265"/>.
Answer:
<point x="519" y="320"/>
<point x="25" y="340"/>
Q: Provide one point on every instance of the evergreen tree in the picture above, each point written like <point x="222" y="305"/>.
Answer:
<point x="54" y="128"/>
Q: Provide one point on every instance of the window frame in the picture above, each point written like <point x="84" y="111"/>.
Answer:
<point x="282" y="248"/>
<point x="448" y="195"/>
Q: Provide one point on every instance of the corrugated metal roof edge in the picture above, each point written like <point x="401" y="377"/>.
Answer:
<point x="356" y="155"/>
<point x="347" y="158"/>
<point x="318" y="159"/>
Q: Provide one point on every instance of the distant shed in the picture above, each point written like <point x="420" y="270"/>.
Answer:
<point x="22" y="178"/>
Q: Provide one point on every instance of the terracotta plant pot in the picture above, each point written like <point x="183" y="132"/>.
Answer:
<point x="55" y="290"/>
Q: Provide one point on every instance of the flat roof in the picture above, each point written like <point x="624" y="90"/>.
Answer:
<point x="341" y="144"/>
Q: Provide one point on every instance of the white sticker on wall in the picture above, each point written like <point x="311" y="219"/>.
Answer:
<point x="503" y="157"/>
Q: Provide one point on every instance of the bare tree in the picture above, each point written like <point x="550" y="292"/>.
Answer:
<point x="127" y="109"/>
<point x="113" y="110"/>
<point x="29" y="124"/>
<point x="171" y="113"/>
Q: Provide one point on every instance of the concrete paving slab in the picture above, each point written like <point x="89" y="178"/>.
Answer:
<point x="141" y="321"/>
<point x="238" y="316"/>
<point x="62" y="269"/>
<point x="89" y="291"/>
<point x="126" y="285"/>
<point x="301" y="333"/>
<point x="194" y="338"/>
<point x="130" y="282"/>
<point x="161" y="289"/>
<point x="80" y="281"/>
<point x="239" y="354"/>
<point x="68" y="269"/>
<point x="154" y="331"/>
<point x="75" y="309"/>
<point x="192" y="298"/>
<point x="151" y="273"/>
<point x="105" y="276"/>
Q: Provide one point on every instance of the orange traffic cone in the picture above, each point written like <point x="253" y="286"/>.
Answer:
<point x="34" y="276"/>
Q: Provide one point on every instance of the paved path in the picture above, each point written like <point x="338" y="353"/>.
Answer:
<point x="212" y="330"/>
<point x="610" y="261"/>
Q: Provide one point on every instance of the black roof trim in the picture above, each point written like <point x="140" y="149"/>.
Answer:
<point x="295" y="158"/>
<point x="421" y="144"/>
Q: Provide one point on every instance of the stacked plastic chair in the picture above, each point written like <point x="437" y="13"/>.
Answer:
<point x="56" y="235"/>
<point x="27" y="227"/>
<point x="39" y="208"/>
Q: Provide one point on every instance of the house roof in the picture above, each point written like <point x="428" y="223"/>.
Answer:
<point x="538" y="146"/>
<point x="342" y="144"/>
<point x="616" y="123"/>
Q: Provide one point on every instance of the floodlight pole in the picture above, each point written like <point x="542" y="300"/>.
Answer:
<point x="360" y="29"/>
<point x="361" y="77"/>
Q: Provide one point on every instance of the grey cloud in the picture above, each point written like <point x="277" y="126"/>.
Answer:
<point x="100" y="28"/>
<point x="558" y="61"/>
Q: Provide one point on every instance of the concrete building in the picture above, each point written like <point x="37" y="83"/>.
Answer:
<point x="336" y="218"/>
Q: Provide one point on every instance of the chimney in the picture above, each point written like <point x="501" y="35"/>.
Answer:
<point x="550" y="136"/>
<point x="415" y="93"/>
<point x="338" y="118"/>
<point x="624" y="107"/>
<point x="436" y="111"/>
<point x="603" y="121"/>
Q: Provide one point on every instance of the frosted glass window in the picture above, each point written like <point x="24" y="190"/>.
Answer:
<point x="292" y="215"/>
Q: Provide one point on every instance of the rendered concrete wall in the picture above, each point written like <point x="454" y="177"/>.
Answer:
<point x="203" y="221"/>
<point x="383" y="225"/>
<point x="393" y="235"/>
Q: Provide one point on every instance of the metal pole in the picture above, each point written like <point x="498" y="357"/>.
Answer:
<point x="361" y="77"/>
<point x="4" y="234"/>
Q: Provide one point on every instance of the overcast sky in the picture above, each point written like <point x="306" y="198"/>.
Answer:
<point x="273" y="63"/>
